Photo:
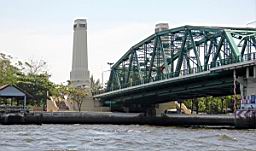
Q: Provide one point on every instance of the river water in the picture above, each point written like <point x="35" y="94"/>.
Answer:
<point x="122" y="137"/>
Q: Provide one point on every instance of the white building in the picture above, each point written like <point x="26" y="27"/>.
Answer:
<point x="161" y="26"/>
<point x="79" y="75"/>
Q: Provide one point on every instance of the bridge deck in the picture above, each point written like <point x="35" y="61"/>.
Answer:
<point x="157" y="85"/>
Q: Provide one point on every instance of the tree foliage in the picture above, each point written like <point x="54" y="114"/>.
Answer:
<point x="78" y="95"/>
<point x="32" y="78"/>
<point x="212" y="105"/>
<point x="95" y="84"/>
<point x="9" y="73"/>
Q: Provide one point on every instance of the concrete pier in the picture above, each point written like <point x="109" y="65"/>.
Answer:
<point x="116" y="118"/>
<point x="245" y="118"/>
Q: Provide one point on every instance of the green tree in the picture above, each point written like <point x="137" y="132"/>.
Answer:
<point x="95" y="84"/>
<point x="37" y="85"/>
<point x="34" y="79"/>
<point x="31" y="76"/>
<point x="213" y="105"/>
<point x="78" y="95"/>
<point x="8" y="72"/>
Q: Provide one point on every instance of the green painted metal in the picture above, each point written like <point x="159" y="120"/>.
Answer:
<point x="194" y="48"/>
<point x="181" y="55"/>
<point x="180" y="51"/>
<point x="244" y="46"/>
<point x="207" y="55"/>
<point x="129" y="70"/>
<point x="165" y="64"/>
<point x="232" y="44"/>
<point x="138" y="66"/>
<point x="117" y="79"/>
<point x="217" y="53"/>
<point x="254" y="41"/>
<point x="152" y="59"/>
<point x="188" y="63"/>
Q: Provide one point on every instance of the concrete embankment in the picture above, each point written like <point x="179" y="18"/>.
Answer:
<point x="115" y="118"/>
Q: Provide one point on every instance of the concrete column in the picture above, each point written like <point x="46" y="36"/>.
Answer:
<point x="254" y="71"/>
<point x="248" y="89"/>
<point x="246" y="116"/>
<point x="79" y="75"/>
<point x="247" y="72"/>
<point x="25" y="102"/>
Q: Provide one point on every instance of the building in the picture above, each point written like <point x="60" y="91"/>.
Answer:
<point x="15" y="99"/>
<point x="161" y="26"/>
<point x="79" y="75"/>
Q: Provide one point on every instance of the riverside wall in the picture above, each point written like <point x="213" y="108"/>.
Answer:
<point x="115" y="118"/>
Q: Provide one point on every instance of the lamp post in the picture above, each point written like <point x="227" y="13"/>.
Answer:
<point x="110" y="64"/>
<point x="102" y="77"/>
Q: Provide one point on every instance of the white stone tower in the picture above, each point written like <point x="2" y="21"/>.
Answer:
<point x="79" y="75"/>
<point x="161" y="26"/>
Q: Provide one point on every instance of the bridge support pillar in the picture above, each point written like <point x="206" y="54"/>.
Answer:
<point x="246" y="115"/>
<point x="248" y="83"/>
<point x="150" y="111"/>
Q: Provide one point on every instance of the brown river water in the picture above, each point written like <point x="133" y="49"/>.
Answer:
<point x="122" y="137"/>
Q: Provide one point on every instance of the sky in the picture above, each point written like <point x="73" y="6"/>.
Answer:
<point x="43" y="29"/>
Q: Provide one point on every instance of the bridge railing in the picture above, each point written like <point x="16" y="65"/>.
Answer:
<point x="226" y="61"/>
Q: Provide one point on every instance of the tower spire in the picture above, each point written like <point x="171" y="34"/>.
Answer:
<point x="79" y="75"/>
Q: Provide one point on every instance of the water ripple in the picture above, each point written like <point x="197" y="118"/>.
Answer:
<point x="120" y="137"/>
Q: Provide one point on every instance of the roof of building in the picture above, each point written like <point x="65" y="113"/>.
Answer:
<point x="13" y="91"/>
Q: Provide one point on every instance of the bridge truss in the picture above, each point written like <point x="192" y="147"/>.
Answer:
<point x="182" y="51"/>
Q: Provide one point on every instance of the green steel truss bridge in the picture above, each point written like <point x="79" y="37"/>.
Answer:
<point x="182" y="63"/>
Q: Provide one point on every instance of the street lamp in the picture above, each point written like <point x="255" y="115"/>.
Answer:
<point x="110" y="64"/>
<point x="102" y="76"/>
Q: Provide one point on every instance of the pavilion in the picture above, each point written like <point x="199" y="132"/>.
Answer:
<point x="12" y="91"/>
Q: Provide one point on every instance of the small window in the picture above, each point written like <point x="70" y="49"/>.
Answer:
<point x="81" y="25"/>
<point x="75" y="25"/>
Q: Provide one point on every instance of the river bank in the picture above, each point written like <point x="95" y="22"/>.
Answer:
<point x="115" y="118"/>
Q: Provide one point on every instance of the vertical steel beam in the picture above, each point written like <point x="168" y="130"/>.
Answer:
<point x="117" y="79"/>
<point x="188" y="63"/>
<point x="243" y="47"/>
<point x="207" y="55"/>
<point x="145" y="60"/>
<point x="163" y="55"/>
<point x="110" y="81"/>
<point x="172" y="53"/>
<point x="217" y="53"/>
<point x="152" y="58"/>
<point x="181" y="54"/>
<point x="130" y="66"/>
<point x="253" y="41"/>
<point x="138" y="66"/>
<point x="194" y="48"/>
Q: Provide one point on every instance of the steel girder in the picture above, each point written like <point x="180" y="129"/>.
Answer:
<point x="181" y="51"/>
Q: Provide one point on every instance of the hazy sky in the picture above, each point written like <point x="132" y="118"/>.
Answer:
<point x="42" y="29"/>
